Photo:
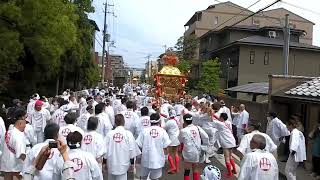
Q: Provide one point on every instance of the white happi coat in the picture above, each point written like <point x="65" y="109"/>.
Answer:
<point x="178" y="108"/>
<point x="115" y="104"/>
<point x="30" y="107"/>
<point x="120" y="109"/>
<point x="2" y="133"/>
<point x="243" y="120"/>
<point x="120" y="148"/>
<point x="225" y="135"/>
<point x="297" y="143"/>
<point x="277" y="129"/>
<point x="93" y="143"/>
<point x="104" y="125"/>
<point x="47" y="171"/>
<point x="153" y="140"/>
<point x="172" y="128"/>
<point x="225" y="109"/>
<point x="142" y="123"/>
<point x="38" y="120"/>
<point x="14" y="147"/>
<point x="191" y="137"/>
<point x="109" y="110"/>
<point x="65" y="130"/>
<point x="58" y="117"/>
<point x="30" y="135"/>
<point x="259" y="165"/>
<point x="85" y="166"/>
<point x="244" y="146"/>
<point x="82" y="121"/>
<point x="130" y="118"/>
<point x="164" y="109"/>
<point x="82" y="106"/>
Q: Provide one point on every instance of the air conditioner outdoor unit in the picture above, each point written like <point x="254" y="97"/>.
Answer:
<point x="272" y="34"/>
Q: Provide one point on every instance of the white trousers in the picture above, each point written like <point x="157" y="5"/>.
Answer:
<point x="39" y="136"/>
<point x="117" y="177"/>
<point x="291" y="168"/>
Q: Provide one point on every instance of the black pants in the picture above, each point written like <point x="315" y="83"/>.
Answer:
<point x="316" y="165"/>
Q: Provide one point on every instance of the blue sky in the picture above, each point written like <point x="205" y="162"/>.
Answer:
<point x="143" y="27"/>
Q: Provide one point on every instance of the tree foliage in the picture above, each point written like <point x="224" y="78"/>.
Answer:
<point x="185" y="48"/>
<point x="42" y="41"/>
<point x="209" y="79"/>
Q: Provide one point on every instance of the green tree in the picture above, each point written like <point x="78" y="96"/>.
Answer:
<point x="184" y="66"/>
<point x="43" y="40"/>
<point x="210" y="76"/>
<point x="185" y="49"/>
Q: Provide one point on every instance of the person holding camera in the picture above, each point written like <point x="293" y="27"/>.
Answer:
<point x="40" y="163"/>
<point x="50" y="145"/>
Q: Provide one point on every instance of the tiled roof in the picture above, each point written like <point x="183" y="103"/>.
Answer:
<point x="308" y="89"/>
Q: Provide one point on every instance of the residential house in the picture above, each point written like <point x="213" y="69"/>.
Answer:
<point x="299" y="95"/>
<point x="248" y="54"/>
<point x="219" y="16"/>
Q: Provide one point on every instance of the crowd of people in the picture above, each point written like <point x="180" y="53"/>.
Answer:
<point x="109" y="132"/>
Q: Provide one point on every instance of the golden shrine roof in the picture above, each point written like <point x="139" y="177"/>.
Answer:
<point x="170" y="70"/>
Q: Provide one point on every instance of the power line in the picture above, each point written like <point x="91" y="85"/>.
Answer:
<point x="235" y="15"/>
<point x="256" y="12"/>
<point x="302" y="8"/>
<point x="98" y="41"/>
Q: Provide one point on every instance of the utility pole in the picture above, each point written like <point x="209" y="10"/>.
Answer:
<point x="149" y="71"/>
<point x="165" y="48"/>
<point x="286" y="45"/>
<point x="104" y="41"/>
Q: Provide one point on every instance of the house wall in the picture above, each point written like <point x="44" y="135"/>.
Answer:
<point x="301" y="63"/>
<point x="298" y="22"/>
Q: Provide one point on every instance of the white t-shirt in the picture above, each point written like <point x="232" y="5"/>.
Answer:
<point x="153" y="140"/>
<point x="14" y="147"/>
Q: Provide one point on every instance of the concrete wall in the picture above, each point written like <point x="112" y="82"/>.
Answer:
<point x="301" y="63"/>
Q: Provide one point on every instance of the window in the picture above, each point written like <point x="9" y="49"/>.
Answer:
<point x="210" y="40"/>
<point x="216" y="20"/>
<point x="252" y="56"/>
<point x="266" y="58"/>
